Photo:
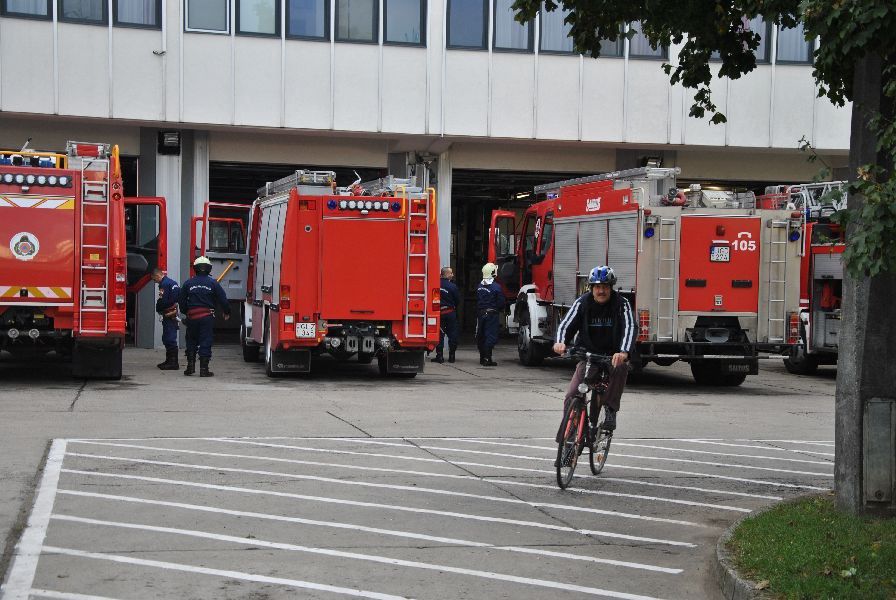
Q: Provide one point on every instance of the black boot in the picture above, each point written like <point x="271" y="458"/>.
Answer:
<point x="170" y="363"/>
<point x="191" y="364"/>
<point x="451" y="354"/>
<point x="481" y="358"/>
<point x="488" y="362"/>
<point x="439" y="358"/>
<point x="203" y="367"/>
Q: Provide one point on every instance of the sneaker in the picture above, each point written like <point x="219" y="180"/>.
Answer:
<point x="609" y="423"/>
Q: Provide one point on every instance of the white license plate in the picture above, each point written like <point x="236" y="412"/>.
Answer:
<point x="306" y="330"/>
<point x="720" y="254"/>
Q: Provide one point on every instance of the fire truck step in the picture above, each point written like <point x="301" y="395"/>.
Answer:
<point x="93" y="246"/>
<point x="93" y="268"/>
<point x="95" y="310"/>
<point x="95" y="225"/>
<point x="417" y="295"/>
<point x="416" y="255"/>
<point x="417" y="235"/>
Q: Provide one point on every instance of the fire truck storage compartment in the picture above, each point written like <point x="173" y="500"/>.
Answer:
<point x="826" y="294"/>
<point x="270" y="248"/>
<point x="721" y="274"/>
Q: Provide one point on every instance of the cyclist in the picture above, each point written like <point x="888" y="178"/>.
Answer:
<point x="603" y="319"/>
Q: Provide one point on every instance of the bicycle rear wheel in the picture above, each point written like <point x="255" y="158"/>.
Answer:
<point x="597" y="456"/>
<point x="572" y="438"/>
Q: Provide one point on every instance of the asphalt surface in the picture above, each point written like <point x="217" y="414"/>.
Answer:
<point x="346" y="484"/>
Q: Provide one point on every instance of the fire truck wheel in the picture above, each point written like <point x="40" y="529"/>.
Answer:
<point x="250" y="353"/>
<point x="531" y="354"/>
<point x="268" y="353"/>
<point x="799" y="363"/>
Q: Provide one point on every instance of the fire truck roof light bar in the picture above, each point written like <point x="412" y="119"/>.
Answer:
<point x="300" y="177"/>
<point x="639" y="173"/>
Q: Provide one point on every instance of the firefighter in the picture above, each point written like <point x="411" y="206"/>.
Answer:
<point x="449" y="298"/>
<point x="606" y="325"/>
<point x="199" y="296"/>
<point x="166" y="306"/>
<point x="489" y="302"/>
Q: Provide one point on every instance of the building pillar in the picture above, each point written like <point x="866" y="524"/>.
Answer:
<point x="443" y="194"/>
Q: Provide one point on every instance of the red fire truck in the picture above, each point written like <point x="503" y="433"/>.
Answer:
<point x="346" y="271"/>
<point x="821" y="272"/>
<point x="65" y="266"/>
<point x="713" y="280"/>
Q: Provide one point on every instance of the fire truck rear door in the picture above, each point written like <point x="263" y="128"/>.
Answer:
<point x="719" y="266"/>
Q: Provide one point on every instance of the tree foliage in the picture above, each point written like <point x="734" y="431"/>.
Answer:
<point x="847" y="30"/>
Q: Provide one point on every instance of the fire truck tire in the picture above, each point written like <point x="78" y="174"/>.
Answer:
<point x="531" y="354"/>
<point x="97" y="362"/>
<point x="250" y="353"/>
<point x="710" y="373"/>
<point x="800" y="363"/>
<point x="268" y="354"/>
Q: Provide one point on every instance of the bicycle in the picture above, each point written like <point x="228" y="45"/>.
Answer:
<point x="575" y="432"/>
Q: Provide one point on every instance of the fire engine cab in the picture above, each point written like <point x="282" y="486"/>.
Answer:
<point x="65" y="269"/>
<point x="351" y="272"/>
<point x="713" y="279"/>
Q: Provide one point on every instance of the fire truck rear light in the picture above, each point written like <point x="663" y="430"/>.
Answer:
<point x="793" y="328"/>
<point x="63" y="181"/>
<point x="343" y="204"/>
<point x="120" y="278"/>
<point x="42" y="180"/>
<point x="20" y="178"/>
<point x="351" y="204"/>
<point x="643" y="325"/>
<point x="368" y="205"/>
<point x="7" y="178"/>
<point x="52" y="180"/>
<point x="119" y="299"/>
<point x="284" y="296"/>
<point x="289" y="319"/>
<point x="116" y="196"/>
<point x="377" y="205"/>
<point x="30" y="179"/>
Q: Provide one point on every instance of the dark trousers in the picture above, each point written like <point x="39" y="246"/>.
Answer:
<point x="449" y="328"/>
<point x="199" y="335"/>
<point x="487" y="326"/>
<point x="169" y="333"/>
<point x="613" y="395"/>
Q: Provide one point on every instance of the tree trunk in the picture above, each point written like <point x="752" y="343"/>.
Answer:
<point x="865" y="418"/>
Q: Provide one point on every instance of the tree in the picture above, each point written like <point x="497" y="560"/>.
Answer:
<point x="855" y="61"/>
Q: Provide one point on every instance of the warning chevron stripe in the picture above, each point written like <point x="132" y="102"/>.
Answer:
<point x="47" y="202"/>
<point x="53" y="293"/>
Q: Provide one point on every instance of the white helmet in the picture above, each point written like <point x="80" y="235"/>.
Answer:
<point x="489" y="270"/>
<point x="202" y="261"/>
<point x="202" y="265"/>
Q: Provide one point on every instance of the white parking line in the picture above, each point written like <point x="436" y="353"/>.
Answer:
<point x="349" y="555"/>
<point x="468" y="477"/>
<point x="754" y="446"/>
<point x="308" y="585"/>
<point x="389" y="486"/>
<point x="427" y="511"/>
<point x="612" y="465"/>
<point x="27" y="552"/>
<point x="66" y="595"/>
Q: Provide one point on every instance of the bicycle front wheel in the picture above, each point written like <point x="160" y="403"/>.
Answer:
<point x="572" y="437"/>
<point x="597" y="457"/>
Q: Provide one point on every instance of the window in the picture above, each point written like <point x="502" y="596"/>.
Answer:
<point x="612" y="48"/>
<point x="138" y="13"/>
<point x="555" y="32"/>
<point x="792" y="45"/>
<point x="208" y="15"/>
<point x="356" y="20"/>
<point x="509" y="33"/>
<point x="83" y="11"/>
<point x="404" y="22"/>
<point x="31" y="9"/>
<point x="258" y="17"/>
<point x="466" y="23"/>
<point x="639" y="47"/>
<point x="755" y="25"/>
<point x="308" y="19"/>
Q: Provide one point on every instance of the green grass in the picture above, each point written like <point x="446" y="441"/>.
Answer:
<point x="807" y="549"/>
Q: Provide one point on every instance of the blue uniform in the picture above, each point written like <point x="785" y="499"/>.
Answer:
<point x="449" y="300"/>
<point x="489" y="302"/>
<point x="166" y="306"/>
<point x="199" y="296"/>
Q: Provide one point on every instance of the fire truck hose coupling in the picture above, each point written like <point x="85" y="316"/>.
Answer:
<point x="13" y="333"/>
<point x="33" y="334"/>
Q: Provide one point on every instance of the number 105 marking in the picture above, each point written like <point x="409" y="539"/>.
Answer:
<point x="744" y="245"/>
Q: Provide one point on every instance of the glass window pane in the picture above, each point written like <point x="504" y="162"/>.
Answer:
<point x="138" y="12"/>
<point x="27" y="7"/>
<point x="611" y="48"/>
<point x="83" y="10"/>
<point x="258" y="16"/>
<point x="554" y="32"/>
<point x="509" y="33"/>
<point x="758" y="25"/>
<point x="208" y="15"/>
<point x="403" y="21"/>
<point x="307" y="18"/>
<point x="792" y="45"/>
<point x="354" y="20"/>
<point x="466" y="23"/>
<point x="639" y="46"/>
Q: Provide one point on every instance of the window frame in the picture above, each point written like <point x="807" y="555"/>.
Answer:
<point x="104" y="22"/>
<point x="541" y="50"/>
<point x="313" y="38"/>
<point x="664" y="50"/>
<point x="236" y="22"/>
<point x="5" y="12"/>
<point x="188" y="29"/>
<point x="118" y="23"/>
<point x="620" y="45"/>
<point x="375" y="29"/>
<point x="810" y="49"/>
<point x="423" y="17"/>
<point x="450" y="46"/>
<point x="530" y="45"/>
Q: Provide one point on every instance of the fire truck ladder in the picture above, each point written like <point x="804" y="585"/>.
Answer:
<point x="300" y="177"/>
<point x="777" y="281"/>
<point x="417" y="209"/>
<point x="666" y="280"/>
<point x="93" y="275"/>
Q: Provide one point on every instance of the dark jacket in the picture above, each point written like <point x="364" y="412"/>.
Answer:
<point x="489" y="296"/>
<point x="202" y="291"/>
<point x="169" y="292"/>
<point x="624" y="330"/>
<point x="449" y="295"/>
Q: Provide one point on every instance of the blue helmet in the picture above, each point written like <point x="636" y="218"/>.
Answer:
<point x="603" y="274"/>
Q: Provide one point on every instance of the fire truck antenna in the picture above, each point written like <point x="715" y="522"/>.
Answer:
<point x="28" y="141"/>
